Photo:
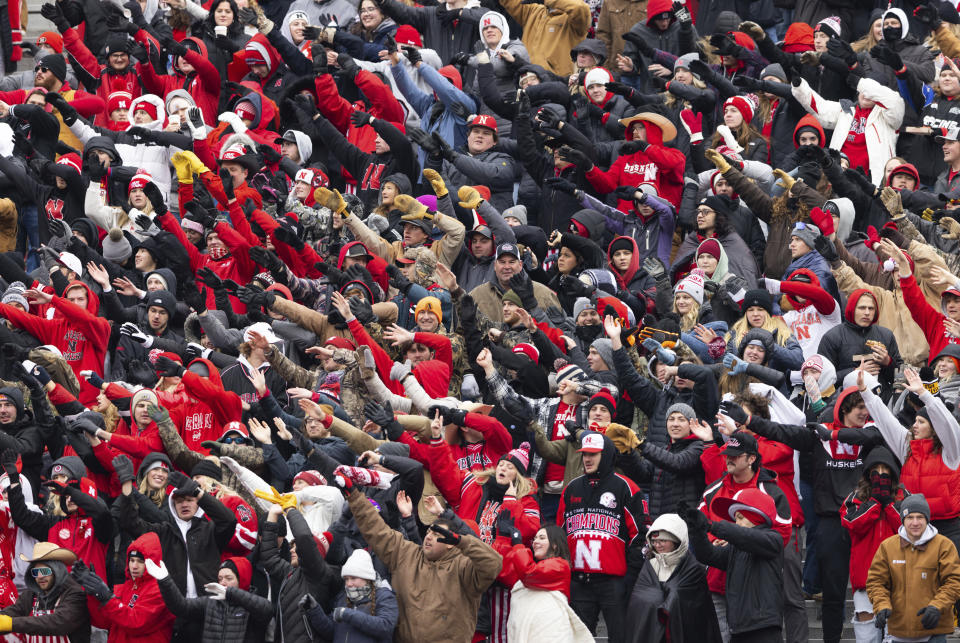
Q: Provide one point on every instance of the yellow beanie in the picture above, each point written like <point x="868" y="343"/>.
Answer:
<point x="431" y="304"/>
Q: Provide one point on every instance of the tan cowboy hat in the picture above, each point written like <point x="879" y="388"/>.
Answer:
<point x="50" y="551"/>
<point x="668" y="129"/>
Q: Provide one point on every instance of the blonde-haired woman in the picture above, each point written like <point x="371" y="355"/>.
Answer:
<point x="757" y="308"/>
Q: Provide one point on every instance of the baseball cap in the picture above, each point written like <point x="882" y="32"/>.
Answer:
<point x="357" y="250"/>
<point x="508" y="249"/>
<point x="591" y="443"/>
<point x="741" y="442"/>
<point x="483" y="230"/>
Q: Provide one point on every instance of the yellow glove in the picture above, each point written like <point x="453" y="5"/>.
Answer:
<point x="270" y="496"/>
<point x="287" y="501"/>
<point x="196" y="165"/>
<point x="6" y="623"/>
<point x="469" y="197"/>
<point x="927" y="215"/>
<point x="436" y="182"/>
<point x="332" y="200"/>
<point x="786" y="181"/>
<point x="413" y="209"/>
<point x="717" y="159"/>
<point x="182" y="166"/>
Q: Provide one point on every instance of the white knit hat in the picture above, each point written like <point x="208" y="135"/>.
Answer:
<point x="359" y="565"/>
<point x="692" y="285"/>
<point x="597" y="76"/>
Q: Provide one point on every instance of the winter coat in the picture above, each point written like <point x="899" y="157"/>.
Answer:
<point x="617" y="17"/>
<point x="202" y="84"/>
<point x="438" y="599"/>
<point x="136" y="611"/>
<point x="740" y="260"/>
<point x="445" y="39"/>
<point x="841" y="344"/>
<point x="930" y="321"/>
<point x="659" y="166"/>
<point x="489" y="299"/>
<point x="492" y="168"/>
<point x="677" y="39"/>
<point x="896" y="583"/>
<point x="551" y="30"/>
<point x="30" y="430"/>
<point x="242" y="616"/>
<point x="101" y="78"/>
<point x="604" y="516"/>
<point x="79" y="334"/>
<point x="311" y="576"/>
<point x="357" y="624"/>
<point x="208" y="533"/>
<point x="60" y="611"/>
<point x="673" y="473"/>
<point x="882" y="124"/>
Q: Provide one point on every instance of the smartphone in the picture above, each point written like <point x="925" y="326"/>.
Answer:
<point x="220" y="30"/>
<point x="174" y="119"/>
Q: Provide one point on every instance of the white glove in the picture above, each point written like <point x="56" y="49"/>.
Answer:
<point x="772" y="285"/>
<point x="234" y="121"/>
<point x="728" y="138"/>
<point x="398" y="371"/>
<point x="157" y="571"/>
<point x="86" y="374"/>
<point x="217" y="591"/>
<point x="6" y="140"/>
<point x="133" y="331"/>
<point x="197" y="132"/>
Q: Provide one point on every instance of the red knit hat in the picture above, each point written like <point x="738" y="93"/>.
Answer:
<point x="51" y="39"/>
<point x="311" y="477"/>
<point x="340" y="342"/>
<point x="148" y="107"/>
<point x="118" y="100"/>
<point x="529" y="350"/>
<point x="245" y="109"/>
<point x="799" y="38"/>
<point x="324" y="541"/>
<point x="711" y="247"/>
<point x="744" y="40"/>
<point x="746" y="104"/>
<point x="407" y="35"/>
<point x="483" y="190"/>
<point x="71" y="160"/>
<point x="139" y="181"/>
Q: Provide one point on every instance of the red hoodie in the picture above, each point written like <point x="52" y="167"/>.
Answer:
<point x="137" y="611"/>
<point x="209" y="409"/>
<point x="659" y="166"/>
<point x="929" y="320"/>
<point x="108" y="81"/>
<point x="203" y="84"/>
<point x="79" y="334"/>
<point x="76" y="532"/>
<point x="549" y="574"/>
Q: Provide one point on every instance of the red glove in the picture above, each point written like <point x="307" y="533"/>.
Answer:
<point x="359" y="476"/>
<point x="872" y="237"/>
<point x="693" y="123"/>
<point x="823" y="220"/>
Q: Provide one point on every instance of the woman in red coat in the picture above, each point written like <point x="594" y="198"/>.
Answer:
<point x="540" y="578"/>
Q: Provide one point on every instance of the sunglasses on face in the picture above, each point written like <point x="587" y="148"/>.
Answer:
<point x="38" y="572"/>
<point x="232" y="440"/>
<point x="41" y="68"/>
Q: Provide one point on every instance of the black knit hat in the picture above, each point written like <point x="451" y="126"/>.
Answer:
<point x="56" y="64"/>
<point x="757" y="298"/>
<point x="206" y="468"/>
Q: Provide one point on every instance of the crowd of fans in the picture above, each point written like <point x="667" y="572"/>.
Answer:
<point x="480" y="320"/>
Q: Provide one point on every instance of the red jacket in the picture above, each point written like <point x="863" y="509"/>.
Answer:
<point x="77" y="532"/>
<point x="924" y="472"/>
<point x="661" y="167"/>
<point x="245" y="533"/>
<point x="137" y="611"/>
<point x="549" y="574"/>
<point x="929" y="320"/>
<point x="203" y="84"/>
<point x="869" y="524"/>
<point x="79" y="334"/>
<point x="210" y="407"/>
<point x="470" y="500"/>
<point x="109" y="81"/>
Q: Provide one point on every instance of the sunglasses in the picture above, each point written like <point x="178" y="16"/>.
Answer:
<point x="233" y="440"/>
<point x="37" y="572"/>
<point x="41" y="68"/>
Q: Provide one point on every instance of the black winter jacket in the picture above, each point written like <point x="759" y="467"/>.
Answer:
<point x="243" y="616"/>
<point x="674" y="473"/>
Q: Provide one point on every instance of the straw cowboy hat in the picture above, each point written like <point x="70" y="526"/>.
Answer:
<point x="668" y="129"/>
<point x="49" y="551"/>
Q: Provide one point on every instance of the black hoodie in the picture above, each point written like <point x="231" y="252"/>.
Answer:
<point x="26" y="431"/>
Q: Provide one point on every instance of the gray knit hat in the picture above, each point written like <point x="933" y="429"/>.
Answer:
<point x="605" y="348"/>
<point x="806" y="232"/>
<point x="116" y="247"/>
<point x="580" y="305"/>
<point x="685" y="409"/>
<point x="683" y="62"/>
<point x="914" y="504"/>
<point x="518" y="212"/>
<point x="14" y="295"/>
<point x="775" y="70"/>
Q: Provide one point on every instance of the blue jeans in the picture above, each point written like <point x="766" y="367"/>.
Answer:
<point x="28" y="217"/>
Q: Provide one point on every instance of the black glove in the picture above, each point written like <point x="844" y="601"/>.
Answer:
<point x="948" y="13"/>
<point x="521" y="284"/>
<point x="632" y="147"/>
<point x="307" y="603"/>
<point x="286" y="234"/>
<point x="572" y="427"/>
<point x="748" y="83"/>
<point x="348" y="65"/>
<point x="724" y="44"/>
<point x="548" y="118"/>
<point x="449" y="415"/>
<point x="576" y="157"/>
<point x="319" y="53"/>
<point x="622" y="89"/>
<point x="227" y="180"/>
<point x="362" y="310"/>
<point x="447" y="16"/>
<point x="842" y="50"/>
<point x="8" y="460"/>
<point x="123" y="468"/>
<point x="444" y="535"/>
<point x="694" y="518"/>
<point x="561" y="184"/>
<point x="390" y="43"/>
<point x="412" y="53"/>
<point x="823" y="433"/>
<point x="424" y="140"/>
<point x="247" y="16"/>
<point x="397" y="279"/>
<point x="574" y="288"/>
<point x="209" y="277"/>
<point x="928" y="16"/>
<point x="155" y="197"/>
<point x="359" y="119"/>
<point x="443" y="148"/>
<point x="654" y="267"/>
<point x="196" y="299"/>
<point x="334" y="275"/>
<point x="887" y="56"/>
<point x="880" y="618"/>
<point x="460" y="110"/>
<point x="825" y="247"/>
<point x="117" y="22"/>
<point x="379" y="415"/>
<point x="188" y="487"/>
<point x="212" y="447"/>
<point x="54" y="14"/>
<point x="734" y="411"/>
<point x="681" y="13"/>
<point x="92" y="584"/>
<point x="507" y="529"/>
<point x="638" y="42"/>
<point x="167" y="367"/>
<point x="177" y="478"/>
<point x="175" y="47"/>
<point x="460" y="58"/>
<point x="929" y="617"/>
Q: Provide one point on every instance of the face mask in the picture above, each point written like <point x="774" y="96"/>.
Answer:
<point x="358" y="594"/>
<point x="217" y="253"/>
<point x="892" y="34"/>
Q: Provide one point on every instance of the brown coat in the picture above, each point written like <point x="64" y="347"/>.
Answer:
<point x="616" y="18"/>
<point x="8" y="226"/>
<point x="489" y="300"/>
<point x="551" y="30"/>
<point x="438" y="599"/>
<point x="69" y="618"/>
<point x="905" y="579"/>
